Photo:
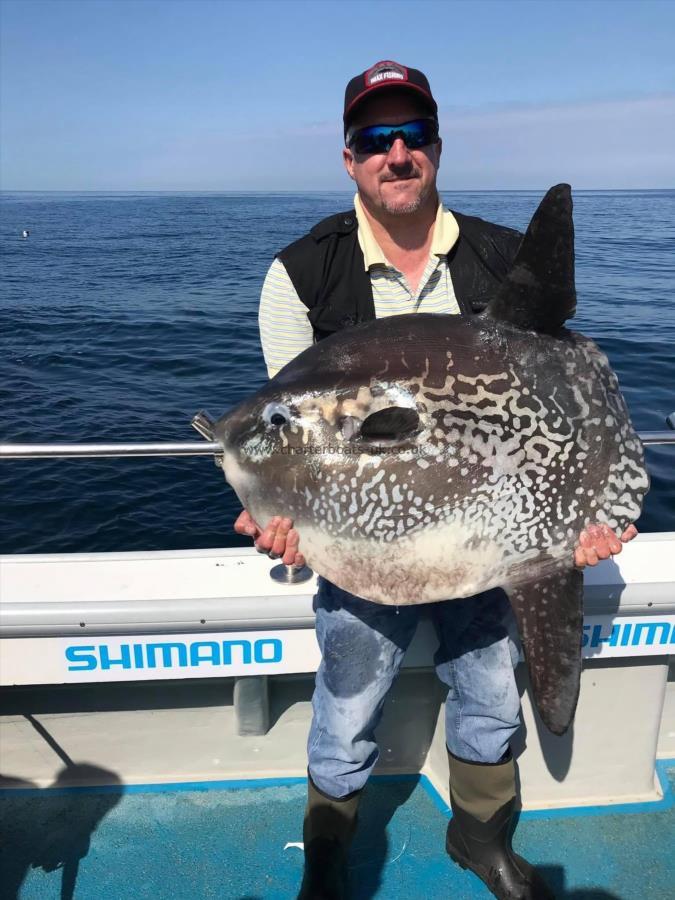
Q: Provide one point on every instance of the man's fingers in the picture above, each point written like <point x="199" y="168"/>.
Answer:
<point x="280" y="540"/>
<point x="596" y="542"/>
<point x="629" y="534"/>
<point x="266" y="539"/>
<point x="242" y="521"/>
<point x="611" y="539"/>
<point x="290" y="557"/>
<point x="584" y="552"/>
<point x="615" y="545"/>
<point x="599" y="541"/>
<point x="278" y="547"/>
<point x="585" y="540"/>
<point x="246" y="524"/>
<point x="591" y="556"/>
<point x="599" y="535"/>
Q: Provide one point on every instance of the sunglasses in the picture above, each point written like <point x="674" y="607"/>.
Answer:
<point x="380" y="138"/>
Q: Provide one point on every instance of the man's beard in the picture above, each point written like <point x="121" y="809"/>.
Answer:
<point x="405" y="209"/>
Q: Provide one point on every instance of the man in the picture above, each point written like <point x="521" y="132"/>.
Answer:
<point x="400" y="251"/>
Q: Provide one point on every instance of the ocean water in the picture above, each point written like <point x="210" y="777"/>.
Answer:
<point x="124" y="314"/>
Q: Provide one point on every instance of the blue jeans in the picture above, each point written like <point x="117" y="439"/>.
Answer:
<point x="362" y="646"/>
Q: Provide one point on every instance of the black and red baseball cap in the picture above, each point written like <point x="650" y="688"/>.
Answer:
<point x="386" y="75"/>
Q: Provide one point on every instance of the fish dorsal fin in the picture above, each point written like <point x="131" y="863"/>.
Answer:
<point x="539" y="294"/>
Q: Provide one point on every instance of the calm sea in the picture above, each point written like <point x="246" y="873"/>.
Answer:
<point x="123" y="314"/>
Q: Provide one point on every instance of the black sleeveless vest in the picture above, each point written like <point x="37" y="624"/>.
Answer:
<point x="327" y="270"/>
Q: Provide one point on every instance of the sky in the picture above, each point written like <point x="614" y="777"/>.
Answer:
<point x="214" y="95"/>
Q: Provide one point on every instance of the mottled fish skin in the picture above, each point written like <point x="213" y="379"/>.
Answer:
<point x="523" y="439"/>
<point x="428" y="457"/>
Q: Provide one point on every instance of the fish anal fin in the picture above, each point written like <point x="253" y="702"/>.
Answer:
<point x="549" y="613"/>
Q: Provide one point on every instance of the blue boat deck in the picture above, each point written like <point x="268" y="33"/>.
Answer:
<point x="234" y="840"/>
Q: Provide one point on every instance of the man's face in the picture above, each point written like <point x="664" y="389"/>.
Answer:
<point x="400" y="181"/>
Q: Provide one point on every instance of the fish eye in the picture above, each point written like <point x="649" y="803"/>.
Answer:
<point x="276" y="414"/>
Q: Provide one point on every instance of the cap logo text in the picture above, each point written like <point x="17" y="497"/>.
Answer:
<point x="385" y="71"/>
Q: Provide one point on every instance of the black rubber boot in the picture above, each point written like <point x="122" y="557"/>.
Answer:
<point x="483" y="799"/>
<point x="328" y="830"/>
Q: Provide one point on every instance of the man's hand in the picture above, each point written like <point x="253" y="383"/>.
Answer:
<point x="279" y="540"/>
<point x="599" y="542"/>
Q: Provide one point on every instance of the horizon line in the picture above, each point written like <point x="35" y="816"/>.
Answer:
<point x="305" y="191"/>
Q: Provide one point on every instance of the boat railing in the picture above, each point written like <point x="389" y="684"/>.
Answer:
<point x="203" y="423"/>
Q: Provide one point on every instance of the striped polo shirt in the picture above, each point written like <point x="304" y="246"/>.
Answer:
<point x="285" y="329"/>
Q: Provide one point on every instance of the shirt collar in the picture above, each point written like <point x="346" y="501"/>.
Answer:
<point x="446" y="232"/>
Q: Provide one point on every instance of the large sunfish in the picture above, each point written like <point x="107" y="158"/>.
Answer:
<point x="427" y="457"/>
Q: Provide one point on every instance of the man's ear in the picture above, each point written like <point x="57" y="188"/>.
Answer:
<point x="348" y="160"/>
